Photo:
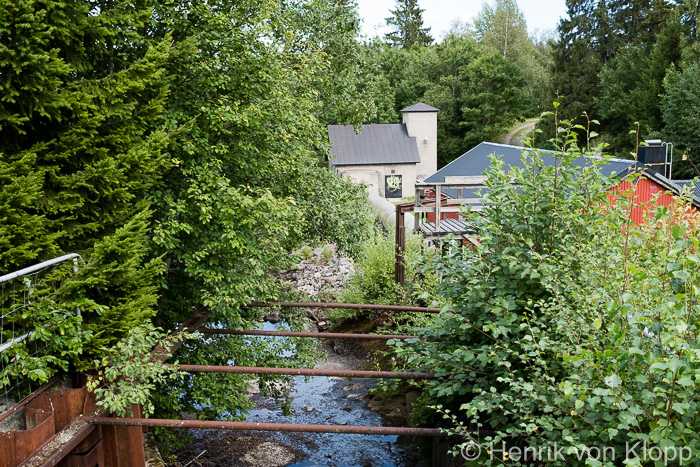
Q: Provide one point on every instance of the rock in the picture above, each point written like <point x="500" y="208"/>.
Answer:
<point x="273" y="317"/>
<point x="254" y="388"/>
<point x="411" y="398"/>
<point x="353" y="387"/>
<point x="269" y="454"/>
<point x="309" y="409"/>
<point x="356" y="397"/>
<point x="340" y="346"/>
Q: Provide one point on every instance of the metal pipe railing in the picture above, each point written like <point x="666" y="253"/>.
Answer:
<point x="257" y="370"/>
<point x="39" y="267"/>
<point x="317" y="335"/>
<point x="257" y="426"/>
<point x="352" y="306"/>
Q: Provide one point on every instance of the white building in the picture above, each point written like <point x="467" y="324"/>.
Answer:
<point x="389" y="158"/>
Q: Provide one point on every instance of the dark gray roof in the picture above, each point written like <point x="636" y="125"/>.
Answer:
<point x="676" y="186"/>
<point x="476" y="161"/>
<point x="376" y="144"/>
<point x="420" y="107"/>
<point x="694" y="187"/>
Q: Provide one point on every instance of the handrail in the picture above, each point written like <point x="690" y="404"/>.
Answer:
<point x="40" y="266"/>
<point x="30" y="270"/>
<point x="436" y="206"/>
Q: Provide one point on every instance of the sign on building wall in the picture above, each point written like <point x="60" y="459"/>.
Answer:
<point x="393" y="185"/>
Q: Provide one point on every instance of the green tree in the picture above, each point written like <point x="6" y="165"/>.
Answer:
<point x="631" y="83"/>
<point x="82" y="100"/>
<point x="177" y="150"/>
<point x="407" y="21"/>
<point x="563" y="330"/>
<point x="495" y="98"/>
<point x="586" y="43"/>
<point x="681" y="122"/>
<point x="502" y="29"/>
<point x="479" y="93"/>
<point x="346" y="80"/>
<point x="242" y="191"/>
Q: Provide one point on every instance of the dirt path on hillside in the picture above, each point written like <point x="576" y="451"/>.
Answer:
<point x="517" y="136"/>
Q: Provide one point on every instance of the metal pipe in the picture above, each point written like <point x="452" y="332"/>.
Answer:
<point x="255" y="426"/>
<point x="14" y="341"/>
<point x="256" y="370"/>
<point x="354" y="306"/>
<point x="37" y="267"/>
<point x="318" y="335"/>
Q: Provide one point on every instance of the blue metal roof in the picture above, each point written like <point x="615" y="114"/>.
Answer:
<point x="477" y="161"/>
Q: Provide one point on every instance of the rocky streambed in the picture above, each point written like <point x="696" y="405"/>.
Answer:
<point x="318" y="400"/>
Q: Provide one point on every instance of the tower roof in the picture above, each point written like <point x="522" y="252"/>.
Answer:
<point x="420" y="107"/>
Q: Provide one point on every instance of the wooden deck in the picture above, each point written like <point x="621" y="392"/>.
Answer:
<point x="445" y="212"/>
<point x="457" y="227"/>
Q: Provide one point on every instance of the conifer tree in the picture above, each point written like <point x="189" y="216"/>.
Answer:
<point x="407" y="21"/>
<point x="83" y="89"/>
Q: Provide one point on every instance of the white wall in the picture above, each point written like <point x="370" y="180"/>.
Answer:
<point x="374" y="175"/>
<point x="423" y="125"/>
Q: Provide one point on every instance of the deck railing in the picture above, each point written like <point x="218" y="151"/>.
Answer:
<point x="448" y="197"/>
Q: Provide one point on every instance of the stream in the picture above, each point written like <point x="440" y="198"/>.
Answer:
<point x="317" y="400"/>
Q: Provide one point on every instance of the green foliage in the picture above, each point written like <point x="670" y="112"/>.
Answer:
<point x="617" y="55"/>
<point x="336" y="210"/>
<point x="339" y="77"/>
<point x="24" y="235"/>
<point x="307" y="252"/>
<point x="373" y="281"/>
<point x="83" y="94"/>
<point x="630" y="86"/>
<point x="53" y="329"/>
<point x="326" y="253"/>
<point x="407" y="21"/>
<point x="569" y="327"/>
<point x="502" y="29"/>
<point x="478" y="91"/>
<point x="128" y="373"/>
<point x="177" y="150"/>
<point x="495" y="98"/>
<point x="679" y="103"/>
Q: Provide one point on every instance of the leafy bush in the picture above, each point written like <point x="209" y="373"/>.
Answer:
<point x="373" y="281"/>
<point x="572" y="327"/>
<point x="327" y="253"/>
<point x="54" y="341"/>
<point x="336" y="210"/>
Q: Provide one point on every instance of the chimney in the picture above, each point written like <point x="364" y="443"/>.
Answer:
<point x="421" y="123"/>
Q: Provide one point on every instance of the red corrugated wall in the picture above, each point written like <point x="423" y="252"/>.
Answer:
<point x="645" y="191"/>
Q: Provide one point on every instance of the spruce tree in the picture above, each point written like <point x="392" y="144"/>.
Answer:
<point x="83" y="88"/>
<point x="407" y="21"/>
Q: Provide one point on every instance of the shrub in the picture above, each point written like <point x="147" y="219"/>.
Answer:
<point x="373" y="281"/>
<point x="572" y="326"/>
<point x="327" y="253"/>
<point x="307" y="252"/>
